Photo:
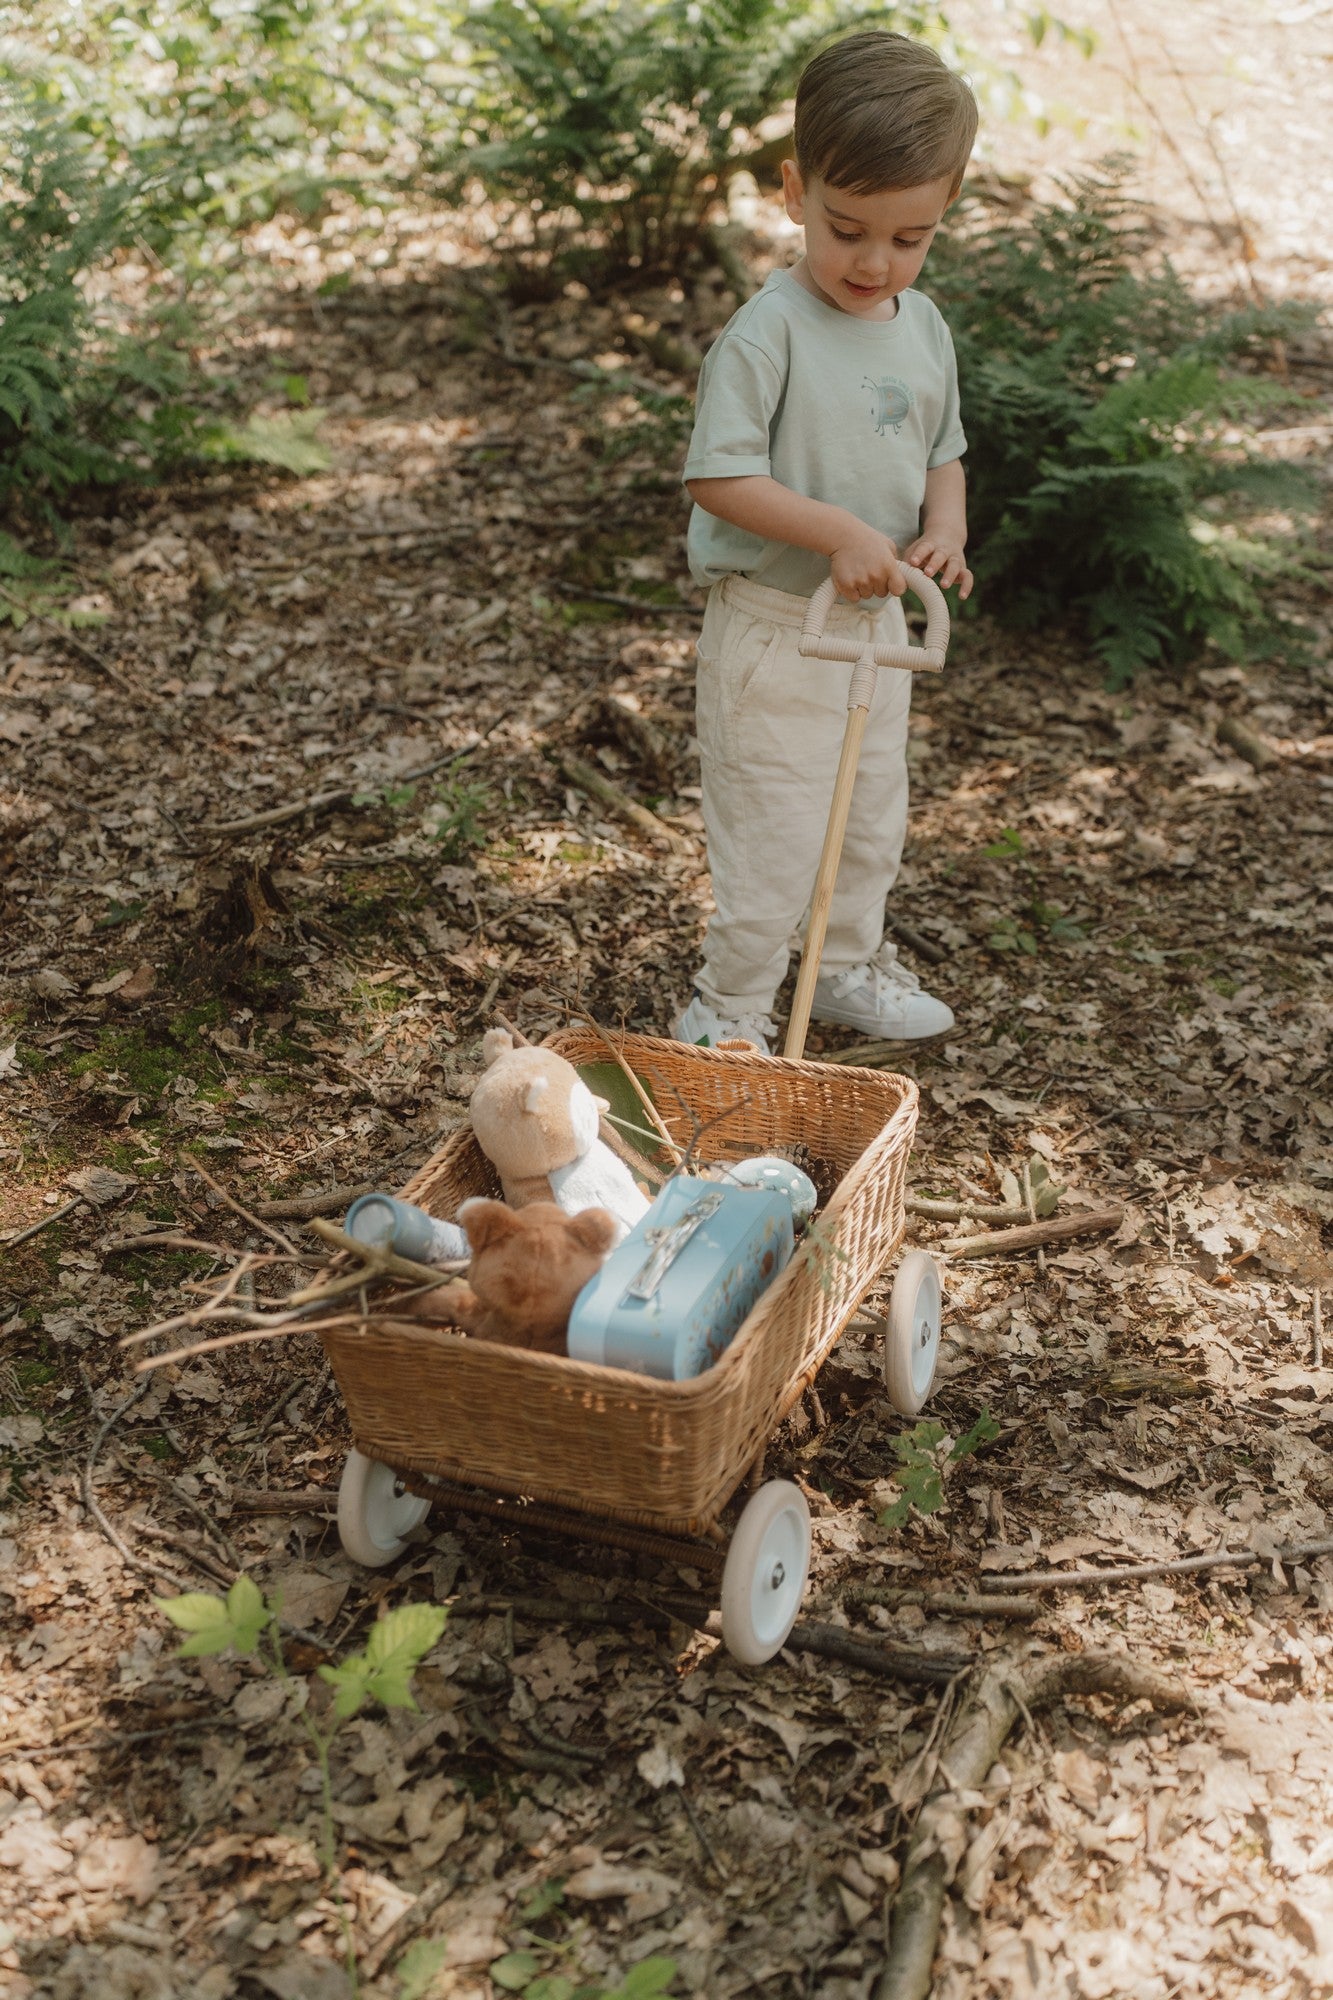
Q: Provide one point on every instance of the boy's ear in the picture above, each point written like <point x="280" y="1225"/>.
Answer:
<point x="793" y="191"/>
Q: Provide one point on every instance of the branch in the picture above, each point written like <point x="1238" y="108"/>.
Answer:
<point x="1005" y="1692"/>
<point x="1092" y="1579"/>
<point x="588" y="780"/>
<point x="999" y="1244"/>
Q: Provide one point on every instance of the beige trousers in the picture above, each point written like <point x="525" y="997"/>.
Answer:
<point x="770" y="727"/>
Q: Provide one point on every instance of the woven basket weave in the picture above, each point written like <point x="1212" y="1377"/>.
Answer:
<point x="600" y="1441"/>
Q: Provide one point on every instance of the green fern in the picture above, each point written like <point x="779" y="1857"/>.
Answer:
<point x="1107" y="412"/>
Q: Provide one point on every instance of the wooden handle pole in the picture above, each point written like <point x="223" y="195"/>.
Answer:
<point x="827" y="876"/>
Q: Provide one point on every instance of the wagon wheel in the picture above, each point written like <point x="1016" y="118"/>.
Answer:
<point x="763" y="1579"/>
<point x="376" y="1513"/>
<point x="912" y="1333"/>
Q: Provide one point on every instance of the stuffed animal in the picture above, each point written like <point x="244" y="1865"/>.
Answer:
<point x="536" y="1121"/>
<point x="528" y="1267"/>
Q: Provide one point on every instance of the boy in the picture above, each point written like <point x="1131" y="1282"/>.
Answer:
<point x="827" y="435"/>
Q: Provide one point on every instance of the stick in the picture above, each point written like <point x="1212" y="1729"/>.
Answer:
<point x="1092" y="1579"/>
<point x="1233" y="732"/>
<point x="275" y="1235"/>
<point x="973" y="1744"/>
<point x="897" y="1663"/>
<point x="966" y="1604"/>
<point x="166" y="1240"/>
<point x="376" y="1263"/>
<point x="56" y="1215"/>
<point x="1091" y="1223"/>
<point x="257" y="1500"/>
<point x="300" y="1208"/>
<point x="245" y="1337"/>
<point x="1317" y="1330"/>
<point x="644" y="606"/>
<point x="324" y="801"/>
<point x="76" y="645"/>
<point x="924" y="947"/>
<point x="961" y="1211"/>
<point x="588" y="780"/>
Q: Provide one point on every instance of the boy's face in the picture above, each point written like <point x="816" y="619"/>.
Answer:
<point x="861" y="250"/>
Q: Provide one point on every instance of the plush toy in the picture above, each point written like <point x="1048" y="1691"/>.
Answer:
<point x="536" y="1121"/>
<point x="528" y="1267"/>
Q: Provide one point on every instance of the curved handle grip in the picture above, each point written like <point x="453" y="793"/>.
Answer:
<point x="920" y="659"/>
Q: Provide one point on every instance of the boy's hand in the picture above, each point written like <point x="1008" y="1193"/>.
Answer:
<point x="941" y="556"/>
<point x="866" y="564"/>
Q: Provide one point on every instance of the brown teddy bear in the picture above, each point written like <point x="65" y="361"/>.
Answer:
<point x="528" y="1266"/>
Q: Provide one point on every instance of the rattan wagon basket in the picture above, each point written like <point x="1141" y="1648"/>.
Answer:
<point x="601" y="1442"/>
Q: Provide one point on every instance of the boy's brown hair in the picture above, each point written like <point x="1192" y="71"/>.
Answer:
<point x="878" y="111"/>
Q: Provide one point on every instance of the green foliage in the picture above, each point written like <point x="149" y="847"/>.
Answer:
<point x="1109" y="420"/>
<point x="218" y="1624"/>
<point x="925" y="1455"/>
<point x="397" y="1645"/>
<point x="456" y="816"/>
<point x="417" y="1967"/>
<point x="521" y="1972"/>
<point x="621" y="125"/>
<point x="287" y="440"/>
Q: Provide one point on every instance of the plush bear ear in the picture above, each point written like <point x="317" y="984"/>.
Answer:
<point x="535" y="1094"/>
<point x="486" y="1222"/>
<point x="496" y="1042"/>
<point x="594" y="1230"/>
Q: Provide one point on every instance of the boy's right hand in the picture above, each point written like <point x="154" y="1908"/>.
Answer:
<point x="866" y="565"/>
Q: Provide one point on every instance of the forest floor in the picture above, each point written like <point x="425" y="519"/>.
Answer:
<point x="1132" y="922"/>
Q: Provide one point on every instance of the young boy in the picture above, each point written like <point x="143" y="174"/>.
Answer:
<point x="827" y="436"/>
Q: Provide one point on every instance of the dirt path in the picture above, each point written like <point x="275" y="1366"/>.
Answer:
<point x="298" y="1006"/>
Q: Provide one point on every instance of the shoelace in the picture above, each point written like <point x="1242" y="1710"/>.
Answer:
<point x="751" y="1028"/>
<point x="886" y="977"/>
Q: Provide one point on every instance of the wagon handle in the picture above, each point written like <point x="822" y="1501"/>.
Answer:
<point x="815" y="644"/>
<point x="867" y="659"/>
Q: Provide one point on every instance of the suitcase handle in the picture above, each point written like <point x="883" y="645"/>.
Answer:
<point x="667" y="1245"/>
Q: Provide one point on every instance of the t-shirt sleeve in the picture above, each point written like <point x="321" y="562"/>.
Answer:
<point x="950" y="442"/>
<point x="739" y="394"/>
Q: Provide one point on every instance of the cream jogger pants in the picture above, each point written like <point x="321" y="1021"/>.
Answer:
<point x="770" y="728"/>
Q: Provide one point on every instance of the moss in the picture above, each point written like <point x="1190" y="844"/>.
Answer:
<point x="33" y="1374"/>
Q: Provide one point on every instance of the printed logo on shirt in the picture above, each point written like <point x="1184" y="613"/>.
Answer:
<point x="890" y="403"/>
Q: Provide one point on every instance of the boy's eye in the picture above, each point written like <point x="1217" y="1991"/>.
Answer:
<point x="845" y="235"/>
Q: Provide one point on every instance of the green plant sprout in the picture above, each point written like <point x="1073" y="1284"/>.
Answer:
<point x="926" y="1455"/>
<point x="246" y="1622"/>
<point x="520" y="1972"/>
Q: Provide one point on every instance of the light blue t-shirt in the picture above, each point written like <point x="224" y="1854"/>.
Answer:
<point x="850" y="411"/>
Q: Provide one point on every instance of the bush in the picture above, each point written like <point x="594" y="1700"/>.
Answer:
<point x="1108" y="418"/>
<point x="82" y="398"/>
<point x="619" y="126"/>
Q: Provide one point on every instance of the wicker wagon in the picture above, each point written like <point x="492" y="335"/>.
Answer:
<point x="624" y="1457"/>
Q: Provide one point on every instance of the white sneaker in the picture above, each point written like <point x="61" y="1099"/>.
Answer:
<point x="883" y="999"/>
<point x="701" y="1024"/>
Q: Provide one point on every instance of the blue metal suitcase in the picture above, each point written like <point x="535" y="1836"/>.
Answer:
<point x="669" y="1299"/>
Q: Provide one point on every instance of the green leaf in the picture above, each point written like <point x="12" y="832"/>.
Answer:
<point x="547" y="1896"/>
<point x="1007" y="847"/>
<point x="417" y="1967"/>
<point x="248" y="1612"/>
<point x="984" y="1431"/>
<point x="650" y="1977"/>
<point x="383" y="1672"/>
<point x="552" y="1986"/>
<point x="217" y="1624"/>
<point x="286" y="439"/>
<point x="516" y="1971"/>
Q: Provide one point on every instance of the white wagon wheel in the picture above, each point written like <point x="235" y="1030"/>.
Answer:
<point x="376" y="1513"/>
<point x="912" y="1333"/>
<point x="763" y="1579"/>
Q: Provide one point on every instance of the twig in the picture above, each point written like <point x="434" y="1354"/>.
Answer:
<point x="588" y="780"/>
<point x="1092" y="1222"/>
<point x="1233" y="732"/>
<point x="414" y="1918"/>
<point x="264" y="1228"/>
<point x="1317" y="1330"/>
<point x="258" y="1500"/>
<point x="76" y="645"/>
<point x="642" y="605"/>
<point x="924" y="947"/>
<point x="1093" y="1579"/>
<point x="92" y="1505"/>
<point x="326" y="801"/>
<point x="526" y="1760"/>
<point x="375" y="1261"/>
<point x="899" y="1663"/>
<point x="300" y="1208"/>
<point x="1032" y="1213"/>
<point x="965" y="1604"/>
<point x="166" y="1240"/>
<point x="974" y="1741"/>
<point x="56" y="1215"/>
<point x="961" y="1211"/>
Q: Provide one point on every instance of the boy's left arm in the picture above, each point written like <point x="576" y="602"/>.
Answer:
<point x="938" y="549"/>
